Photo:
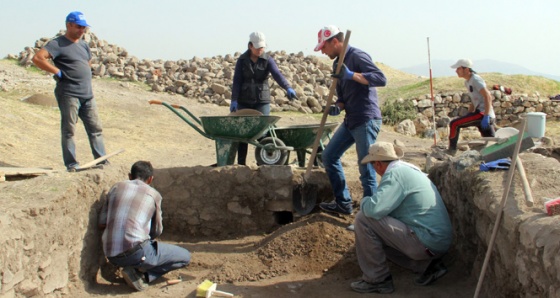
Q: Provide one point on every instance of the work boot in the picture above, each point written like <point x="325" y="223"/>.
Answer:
<point x="435" y="270"/>
<point x="382" y="287"/>
<point x="334" y="207"/>
<point x="134" y="278"/>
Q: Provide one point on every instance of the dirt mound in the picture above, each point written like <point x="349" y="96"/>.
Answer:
<point x="42" y="100"/>
<point x="317" y="245"/>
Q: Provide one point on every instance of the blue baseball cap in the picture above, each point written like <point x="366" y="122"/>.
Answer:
<point x="78" y="18"/>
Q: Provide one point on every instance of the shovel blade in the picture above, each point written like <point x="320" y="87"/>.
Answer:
<point x="304" y="198"/>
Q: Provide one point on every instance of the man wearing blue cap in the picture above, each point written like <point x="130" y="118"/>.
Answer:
<point x="72" y="71"/>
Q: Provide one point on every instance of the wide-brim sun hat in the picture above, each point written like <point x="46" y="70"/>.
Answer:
<point x="383" y="151"/>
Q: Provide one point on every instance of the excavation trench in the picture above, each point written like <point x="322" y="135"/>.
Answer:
<point x="51" y="243"/>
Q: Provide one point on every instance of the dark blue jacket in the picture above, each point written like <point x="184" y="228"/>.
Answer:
<point x="360" y="101"/>
<point x="250" y="80"/>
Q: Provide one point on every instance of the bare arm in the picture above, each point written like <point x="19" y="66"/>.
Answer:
<point x="42" y="61"/>
<point x="471" y="108"/>
<point x="487" y="100"/>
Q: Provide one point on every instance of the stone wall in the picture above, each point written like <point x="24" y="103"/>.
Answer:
<point x="525" y="260"/>
<point x="50" y="244"/>
<point x="230" y="201"/>
<point x="508" y="108"/>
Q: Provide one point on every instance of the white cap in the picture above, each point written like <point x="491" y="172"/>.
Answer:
<point x="325" y="34"/>
<point x="462" y="63"/>
<point x="258" y="40"/>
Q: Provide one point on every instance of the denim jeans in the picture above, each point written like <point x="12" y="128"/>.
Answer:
<point x="363" y="136"/>
<point x="243" y="147"/>
<point x="155" y="259"/>
<point x="86" y="109"/>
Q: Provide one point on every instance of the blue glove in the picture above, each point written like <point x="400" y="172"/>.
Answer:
<point x="485" y="123"/>
<point x="334" y="110"/>
<point x="344" y="74"/>
<point x="291" y="94"/>
<point x="58" y="76"/>
<point x="233" y="106"/>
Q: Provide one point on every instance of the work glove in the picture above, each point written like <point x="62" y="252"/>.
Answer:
<point x="58" y="76"/>
<point x="344" y="74"/>
<point x="291" y="94"/>
<point x="233" y="106"/>
<point x="485" y="123"/>
<point x="334" y="110"/>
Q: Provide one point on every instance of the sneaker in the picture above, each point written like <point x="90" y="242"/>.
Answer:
<point x="72" y="169"/>
<point x="383" y="287"/>
<point x="134" y="279"/>
<point x="334" y="207"/>
<point x="104" y="163"/>
<point x="435" y="270"/>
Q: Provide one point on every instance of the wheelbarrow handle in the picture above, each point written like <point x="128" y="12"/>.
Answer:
<point x="159" y="102"/>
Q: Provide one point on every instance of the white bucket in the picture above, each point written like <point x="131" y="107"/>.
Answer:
<point x="536" y="122"/>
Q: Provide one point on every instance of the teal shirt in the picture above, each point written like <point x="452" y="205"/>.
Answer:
<point x="407" y="194"/>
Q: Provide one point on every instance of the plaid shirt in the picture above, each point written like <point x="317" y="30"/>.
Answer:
<point x="132" y="214"/>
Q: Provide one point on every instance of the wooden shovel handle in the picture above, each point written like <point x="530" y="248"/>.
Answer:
<point x="332" y="90"/>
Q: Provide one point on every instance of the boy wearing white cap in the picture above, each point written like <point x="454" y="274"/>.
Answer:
<point x="357" y="96"/>
<point x="480" y="113"/>
<point x="405" y="221"/>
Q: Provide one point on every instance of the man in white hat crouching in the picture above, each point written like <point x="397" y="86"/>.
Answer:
<point x="405" y="221"/>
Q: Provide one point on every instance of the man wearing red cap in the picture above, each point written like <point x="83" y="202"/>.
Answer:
<point x="72" y="71"/>
<point x="357" y="96"/>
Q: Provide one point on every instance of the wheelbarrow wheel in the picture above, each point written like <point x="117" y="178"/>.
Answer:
<point x="268" y="154"/>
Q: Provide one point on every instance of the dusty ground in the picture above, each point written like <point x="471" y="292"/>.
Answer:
<point x="313" y="257"/>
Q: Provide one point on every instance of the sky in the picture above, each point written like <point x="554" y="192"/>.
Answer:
<point x="395" y="33"/>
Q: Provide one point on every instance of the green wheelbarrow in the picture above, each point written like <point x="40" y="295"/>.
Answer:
<point x="299" y="137"/>
<point x="229" y="131"/>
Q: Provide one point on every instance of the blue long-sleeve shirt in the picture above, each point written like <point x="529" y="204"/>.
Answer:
<point x="360" y="101"/>
<point x="238" y="76"/>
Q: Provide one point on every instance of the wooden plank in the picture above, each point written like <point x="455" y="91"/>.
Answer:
<point x="12" y="171"/>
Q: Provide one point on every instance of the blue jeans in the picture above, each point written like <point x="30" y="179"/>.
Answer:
<point x="155" y="259"/>
<point x="243" y="147"/>
<point x="86" y="109"/>
<point x="363" y="136"/>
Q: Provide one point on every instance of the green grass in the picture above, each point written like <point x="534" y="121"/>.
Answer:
<point x="520" y="84"/>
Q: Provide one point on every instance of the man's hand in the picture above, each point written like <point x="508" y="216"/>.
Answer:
<point x="233" y="106"/>
<point x="334" y="110"/>
<point x="58" y="76"/>
<point x="344" y="74"/>
<point x="485" y="123"/>
<point x="291" y="94"/>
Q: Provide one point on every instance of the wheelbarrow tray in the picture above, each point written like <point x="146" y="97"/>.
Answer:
<point x="241" y="128"/>
<point x="303" y="136"/>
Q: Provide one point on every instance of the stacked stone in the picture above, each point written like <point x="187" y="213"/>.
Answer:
<point x="508" y="108"/>
<point x="209" y="80"/>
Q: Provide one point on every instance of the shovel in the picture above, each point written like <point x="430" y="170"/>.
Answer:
<point x="305" y="196"/>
